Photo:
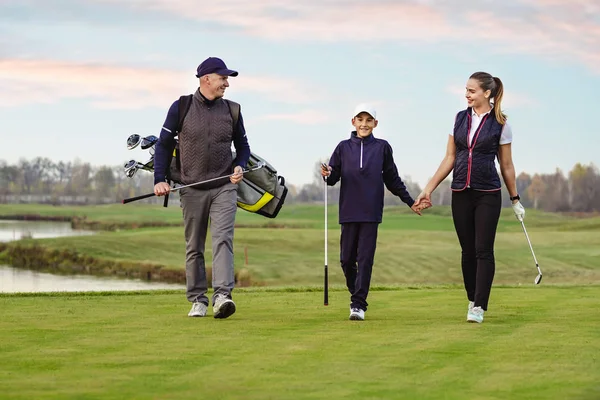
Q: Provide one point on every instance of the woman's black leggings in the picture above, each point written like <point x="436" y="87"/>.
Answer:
<point x="475" y="214"/>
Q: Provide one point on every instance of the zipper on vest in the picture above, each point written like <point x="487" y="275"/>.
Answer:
<point x="208" y="128"/>
<point x="361" y="153"/>
<point x="472" y="145"/>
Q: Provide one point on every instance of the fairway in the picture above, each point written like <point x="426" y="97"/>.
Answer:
<point x="536" y="343"/>
<point x="289" y="250"/>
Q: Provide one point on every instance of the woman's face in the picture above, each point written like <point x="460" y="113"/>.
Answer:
<point x="476" y="96"/>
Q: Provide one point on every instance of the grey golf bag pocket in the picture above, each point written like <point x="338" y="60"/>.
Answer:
<point x="261" y="191"/>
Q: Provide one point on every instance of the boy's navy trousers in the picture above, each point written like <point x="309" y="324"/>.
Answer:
<point x="357" y="252"/>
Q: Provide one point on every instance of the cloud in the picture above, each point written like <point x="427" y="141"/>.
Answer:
<point x="554" y="29"/>
<point x="119" y="87"/>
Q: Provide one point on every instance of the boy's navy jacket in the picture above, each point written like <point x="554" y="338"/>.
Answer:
<point x="364" y="166"/>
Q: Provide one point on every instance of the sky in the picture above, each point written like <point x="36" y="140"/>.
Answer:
<point x="77" y="77"/>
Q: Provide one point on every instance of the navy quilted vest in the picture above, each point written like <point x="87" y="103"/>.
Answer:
<point x="474" y="165"/>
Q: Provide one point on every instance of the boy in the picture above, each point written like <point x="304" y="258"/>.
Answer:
<point x="364" y="164"/>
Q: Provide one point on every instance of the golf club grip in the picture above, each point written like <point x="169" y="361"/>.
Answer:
<point x="326" y="288"/>
<point x="144" y="196"/>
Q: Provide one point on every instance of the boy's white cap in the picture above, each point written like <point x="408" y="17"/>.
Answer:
<point x="364" y="107"/>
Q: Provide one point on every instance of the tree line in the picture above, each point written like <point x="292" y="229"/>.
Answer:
<point x="41" y="180"/>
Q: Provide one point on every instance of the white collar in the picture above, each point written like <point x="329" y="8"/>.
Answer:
<point x="474" y="114"/>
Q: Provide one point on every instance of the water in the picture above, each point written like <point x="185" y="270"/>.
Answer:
<point x="14" y="280"/>
<point x="15" y="230"/>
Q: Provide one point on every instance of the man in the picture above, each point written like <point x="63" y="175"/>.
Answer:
<point x="205" y="153"/>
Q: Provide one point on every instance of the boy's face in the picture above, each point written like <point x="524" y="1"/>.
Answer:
<point x="364" y="124"/>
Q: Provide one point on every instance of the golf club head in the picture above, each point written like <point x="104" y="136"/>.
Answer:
<point x="538" y="279"/>
<point x="133" y="141"/>
<point x="149" y="141"/>
<point x="130" y="168"/>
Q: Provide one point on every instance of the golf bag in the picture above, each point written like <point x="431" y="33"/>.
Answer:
<point x="261" y="191"/>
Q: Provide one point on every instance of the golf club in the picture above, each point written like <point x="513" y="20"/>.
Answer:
<point x="326" y="272"/>
<point x="173" y="189"/>
<point x="133" y="141"/>
<point x="148" y="166"/>
<point x="149" y="141"/>
<point x="130" y="168"/>
<point x="538" y="278"/>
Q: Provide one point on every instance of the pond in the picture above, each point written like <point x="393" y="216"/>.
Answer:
<point x="14" y="280"/>
<point x="15" y="230"/>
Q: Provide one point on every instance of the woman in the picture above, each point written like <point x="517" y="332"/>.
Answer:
<point x="480" y="134"/>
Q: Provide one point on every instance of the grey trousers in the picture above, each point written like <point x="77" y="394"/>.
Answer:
<point x="214" y="208"/>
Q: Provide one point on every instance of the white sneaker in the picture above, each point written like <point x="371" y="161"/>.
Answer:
<point x="475" y="315"/>
<point x="471" y="305"/>
<point x="223" y="306"/>
<point x="198" y="310"/>
<point x="356" y="314"/>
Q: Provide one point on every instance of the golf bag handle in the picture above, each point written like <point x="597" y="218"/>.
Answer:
<point x="145" y="196"/>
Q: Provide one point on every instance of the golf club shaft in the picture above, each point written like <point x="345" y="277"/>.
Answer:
<point x="326" y="275"/>
<point x="529" y="242"/>
<point x="145" y="196"/>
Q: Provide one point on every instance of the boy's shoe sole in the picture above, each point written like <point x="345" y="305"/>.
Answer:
<point x="226" y="310"/>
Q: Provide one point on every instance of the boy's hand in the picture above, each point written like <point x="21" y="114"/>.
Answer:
<point x="423" y="205"/>
<point x="423" y="197"/>
<point x="325" y="170"/>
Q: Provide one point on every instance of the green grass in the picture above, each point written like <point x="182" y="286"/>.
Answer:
<point x="411" y="249"/>
<point x="302" y="216"/>
<point x="536" y="343"/>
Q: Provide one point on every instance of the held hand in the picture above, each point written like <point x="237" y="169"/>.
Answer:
<point x="422" y="202"/>
<point x="416" y="209"/>
<point x="519" y="210"/>
<point x="423" y="205"/>
<point x="424" y="198"/>
<point x="161" y="188"/>
<point x="325" y="170"/>
<point x="237" y="175"/>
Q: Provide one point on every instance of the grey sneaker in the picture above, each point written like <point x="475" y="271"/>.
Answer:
<point x="356" y="314"/>
<point x="223" y="306"/>
<point x="475" y="315"/>
<point x="198" y="310"/>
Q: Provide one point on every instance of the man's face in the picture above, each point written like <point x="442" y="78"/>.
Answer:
<point x="216" y="85"/>
<point x="364" y="124"/>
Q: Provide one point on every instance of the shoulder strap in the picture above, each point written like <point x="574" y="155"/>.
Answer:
<point x="184" y="106"/>
<point x="234" y="109"/>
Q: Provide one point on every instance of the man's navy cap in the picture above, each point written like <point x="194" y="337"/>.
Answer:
<point x="214" y="65"/>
